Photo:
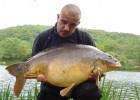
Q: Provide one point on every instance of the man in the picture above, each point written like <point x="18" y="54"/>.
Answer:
<point x="65" y="31"/>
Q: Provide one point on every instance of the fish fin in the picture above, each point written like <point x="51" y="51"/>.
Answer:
<point x="97" y="72"/>
<point x="14" y="69"/>
<point x="20" y="82"/>
<point x="17" y="70"/>
<point x="67" y="91"/>
<point x="97" y="79"/>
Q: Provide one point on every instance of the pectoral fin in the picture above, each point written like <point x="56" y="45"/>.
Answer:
<point x="97" y="72"/>
<point x="97" y="78"/>
<point x="67" y="91"/>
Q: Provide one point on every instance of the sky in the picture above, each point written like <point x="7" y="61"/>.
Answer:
<point x="109" y="15"/>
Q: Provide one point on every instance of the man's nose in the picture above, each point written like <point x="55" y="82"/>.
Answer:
<point x="66" y="28"/>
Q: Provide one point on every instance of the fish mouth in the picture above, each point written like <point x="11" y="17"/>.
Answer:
<point x="114" y="65"/>
<point x="118" y="65"/>
<point x="30" y="76"/>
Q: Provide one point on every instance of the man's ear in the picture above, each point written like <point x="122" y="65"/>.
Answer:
<point x="78" y="23"/>
<point x="57" y="16"/>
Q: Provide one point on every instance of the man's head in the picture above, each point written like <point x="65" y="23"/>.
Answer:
<point x="68" y="20"/>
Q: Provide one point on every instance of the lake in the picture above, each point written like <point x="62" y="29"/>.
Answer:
<point x="119" y="78"/>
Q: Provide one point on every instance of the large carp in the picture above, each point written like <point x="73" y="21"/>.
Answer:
<point x="66" y="65"/>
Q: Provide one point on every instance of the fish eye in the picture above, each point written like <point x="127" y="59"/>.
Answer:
<point x="110" y="57"/>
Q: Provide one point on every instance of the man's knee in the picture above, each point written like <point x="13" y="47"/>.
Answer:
<point x="87" y="91"/>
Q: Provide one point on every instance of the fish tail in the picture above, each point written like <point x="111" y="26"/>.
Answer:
<point x="17" y="70"/>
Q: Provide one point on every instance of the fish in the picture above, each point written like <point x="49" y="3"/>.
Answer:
<point x="66" y="65"/>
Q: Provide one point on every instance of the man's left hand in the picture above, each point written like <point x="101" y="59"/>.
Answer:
<point x="93" y="77"/>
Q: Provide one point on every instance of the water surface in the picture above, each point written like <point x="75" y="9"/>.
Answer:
<point x="119" y="78"/>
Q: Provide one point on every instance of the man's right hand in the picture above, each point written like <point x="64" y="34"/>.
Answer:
<point x="41" y="78"/>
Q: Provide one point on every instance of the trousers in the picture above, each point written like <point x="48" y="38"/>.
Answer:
<point x="85" y="91"/>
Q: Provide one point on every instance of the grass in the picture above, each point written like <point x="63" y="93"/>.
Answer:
<point x="136" y="91"/>
<point x="112" y="91"/>
<point x="6" y="93"/>
<point x="109" y="89"/>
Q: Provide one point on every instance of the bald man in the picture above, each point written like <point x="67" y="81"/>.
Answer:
<point x="65" y="31"/>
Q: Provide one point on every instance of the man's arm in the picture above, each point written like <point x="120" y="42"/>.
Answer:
<point x="36" y="46"/>
<point x="86" y="39"/>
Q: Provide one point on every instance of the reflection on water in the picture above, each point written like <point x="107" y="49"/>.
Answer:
<point x="119" y="78"/>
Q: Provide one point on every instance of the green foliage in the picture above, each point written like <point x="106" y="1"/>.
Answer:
<point x="5" y="93"/>
<point x="113" y="91"/>
<point x="124" y="46"/>
<point x="137" y="92"/>
<point x="16" y="44"/>
<point x="14" y="48"/>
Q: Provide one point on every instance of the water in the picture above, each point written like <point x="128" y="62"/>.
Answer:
<point x="6" y="78"/>
<point x="127" y="80"/>
<point x="119" y="78"/>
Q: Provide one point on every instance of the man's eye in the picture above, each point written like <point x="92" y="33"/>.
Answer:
<point x="63" y="22"/>
<point x="73" y="25"/>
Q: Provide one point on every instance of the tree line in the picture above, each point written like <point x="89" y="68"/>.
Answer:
<point x="16" y="44"/>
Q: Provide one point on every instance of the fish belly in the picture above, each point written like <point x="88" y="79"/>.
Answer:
<point x="65" y="74"/>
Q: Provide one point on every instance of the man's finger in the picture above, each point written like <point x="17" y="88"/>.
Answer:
<point x="41" y="78"/>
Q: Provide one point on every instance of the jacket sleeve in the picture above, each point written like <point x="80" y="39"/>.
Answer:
<point x="85" y="38"/>
<point x="89" y="40"/>
<point x="41" y="42"/>
<point x="36" y="46"/>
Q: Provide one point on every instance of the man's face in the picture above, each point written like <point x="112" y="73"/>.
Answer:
<point x="66" y="24"/>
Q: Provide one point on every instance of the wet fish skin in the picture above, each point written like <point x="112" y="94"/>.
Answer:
<point x="65" y="66"/>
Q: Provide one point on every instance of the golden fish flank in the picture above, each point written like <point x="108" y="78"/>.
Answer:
<point x="66" y="65"/>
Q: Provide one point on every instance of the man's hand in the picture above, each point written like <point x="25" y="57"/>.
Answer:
<point x="92" y="76"/>
<point x="41" y="78"/>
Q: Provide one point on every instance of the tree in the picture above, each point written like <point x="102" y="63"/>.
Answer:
<point x="14" y="48"/>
